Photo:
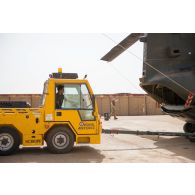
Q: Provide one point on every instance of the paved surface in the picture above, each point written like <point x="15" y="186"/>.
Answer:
<point x="122" y="148"/>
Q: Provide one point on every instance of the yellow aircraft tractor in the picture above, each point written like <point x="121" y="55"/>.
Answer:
<point x="68" y="114"/>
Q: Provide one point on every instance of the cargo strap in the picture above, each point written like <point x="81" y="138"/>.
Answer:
<point x="189" y="100"/>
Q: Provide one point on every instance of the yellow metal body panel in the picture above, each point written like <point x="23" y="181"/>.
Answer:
<point x="33" y="123"/>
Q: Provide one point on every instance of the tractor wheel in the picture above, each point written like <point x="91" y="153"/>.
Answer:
<point x="9" y="141"/>
<point x="60" y="140"/>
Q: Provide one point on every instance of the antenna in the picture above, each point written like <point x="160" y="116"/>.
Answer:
<point x="85" y="77"/>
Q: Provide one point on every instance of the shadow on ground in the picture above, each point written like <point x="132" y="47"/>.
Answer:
<point x="80" y="154"/>
<point x="180" y="146"/>
<point x="168" y="147"/>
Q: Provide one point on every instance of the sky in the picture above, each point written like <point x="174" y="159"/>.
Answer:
<point x="26" y="60"/>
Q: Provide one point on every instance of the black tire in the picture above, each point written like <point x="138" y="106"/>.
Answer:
<point x="189" y="128"/>
<point x="9" y="141"/>
<point x="60" y="140"/>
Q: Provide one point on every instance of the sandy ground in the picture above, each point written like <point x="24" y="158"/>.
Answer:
<point x="121" y="148"/>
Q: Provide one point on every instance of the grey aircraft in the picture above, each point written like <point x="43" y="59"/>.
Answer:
<point x="168" y="71"/>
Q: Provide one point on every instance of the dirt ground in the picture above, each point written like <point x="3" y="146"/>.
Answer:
<point x="121" y="148"/>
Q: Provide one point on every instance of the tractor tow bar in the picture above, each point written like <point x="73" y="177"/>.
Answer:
<point x="137" y="132"/>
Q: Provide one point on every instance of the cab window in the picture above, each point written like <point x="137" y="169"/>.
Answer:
<point x="75" y="97"/>
<point x="45" y="91"/>
<point x="70" y="96"/>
